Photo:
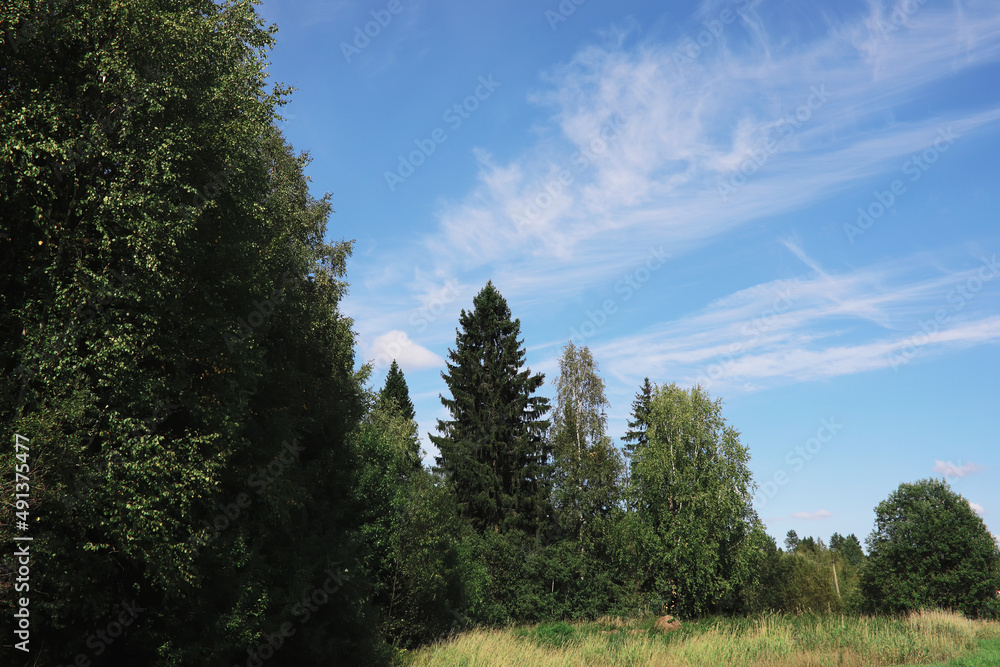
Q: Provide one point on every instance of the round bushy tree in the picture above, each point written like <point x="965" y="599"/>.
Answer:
<point x="930" y="549"/>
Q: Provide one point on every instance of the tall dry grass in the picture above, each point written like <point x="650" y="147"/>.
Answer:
<point x="767" y="641"/>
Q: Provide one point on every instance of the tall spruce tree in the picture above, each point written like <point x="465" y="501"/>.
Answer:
<point x="395" y="389"/>
<point x="635" y="437"/>
<point x="493" y="450"/>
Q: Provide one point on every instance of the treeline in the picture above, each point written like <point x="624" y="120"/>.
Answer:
<point x="550" y="520"/>
<point x="210" y="481"/>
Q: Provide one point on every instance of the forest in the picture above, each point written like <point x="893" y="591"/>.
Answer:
<point x="201" y="470"/>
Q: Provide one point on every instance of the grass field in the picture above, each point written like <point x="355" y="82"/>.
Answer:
<point x="926" y="638"/>
<point x="988" y="655"/>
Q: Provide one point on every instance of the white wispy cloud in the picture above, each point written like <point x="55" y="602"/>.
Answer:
<point x="977" y="508"/>
<point x="679" y="133"/>
<point x="631" y="156"/>
<point x="396" y="344"/>
<point x="812" y="516"/>
<point x="949" y="469"/>
<point x="815" y="327"/>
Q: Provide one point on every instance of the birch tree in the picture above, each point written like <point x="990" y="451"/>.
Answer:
<point x="692" y="490"/>
<point x="588" y="466"/>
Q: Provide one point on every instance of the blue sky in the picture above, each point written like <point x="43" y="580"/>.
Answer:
<point x="795" y="204"/>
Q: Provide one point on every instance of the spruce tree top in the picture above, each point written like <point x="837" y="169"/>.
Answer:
<point x="395" y="388"/>
<point x="636" y="436"/>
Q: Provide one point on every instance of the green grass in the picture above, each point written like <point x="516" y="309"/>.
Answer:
<point x="775" y="640"/>
<point x="988" y="655"/>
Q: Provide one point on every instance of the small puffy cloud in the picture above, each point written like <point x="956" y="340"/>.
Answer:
<point x="397" y="345"/>
<point x="977" y="508"/>
<point x="949" y="469"/>
<point x="812" y="516"/>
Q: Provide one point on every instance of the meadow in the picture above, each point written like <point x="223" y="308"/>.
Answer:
<point x="771" y="640"/>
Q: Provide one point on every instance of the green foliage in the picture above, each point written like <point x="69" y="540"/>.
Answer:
<point x="587" y="467"/>
<point x="431" y="571"/>
<point x="807" y="585"/>
<point x="200" y="442"/>
<point x="493" y="450"/>
<point x="554" y="635"/>
<point x="522" y="580"/>
<point x="385" y="443"/>
<point x="802" y="579"/>
<point x="162" y="249"/>
<point x="637" y="426"/>
<point x="691" y="490"/>
<point x="929" y="549"/>
<point x="848" y="548"/>
<point x="395" y="389"/>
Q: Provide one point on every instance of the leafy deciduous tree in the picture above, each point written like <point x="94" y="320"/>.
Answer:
<point x="587" y="466"/>
<point x="693" y="492"/>
<point x="930" y="549"/>
<point x="160" y="247"/>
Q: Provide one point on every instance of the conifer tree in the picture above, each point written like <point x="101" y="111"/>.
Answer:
<point x="636" y="435"/>
<point x="395" y="389"/>
<point x="791" y="541"/>
<point x="493" y="449"/>
<point x="849" y="547"/>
